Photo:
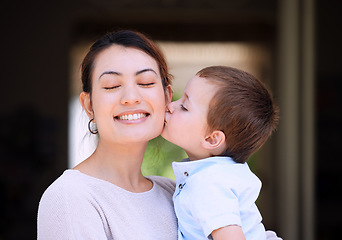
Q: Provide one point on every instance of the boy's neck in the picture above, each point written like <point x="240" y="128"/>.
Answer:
<point x="199" y="157"/>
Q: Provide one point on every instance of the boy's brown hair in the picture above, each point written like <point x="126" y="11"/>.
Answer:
<point x="243" y="108"/>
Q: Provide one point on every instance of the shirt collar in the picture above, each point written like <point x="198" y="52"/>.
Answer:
<point x="187" y="168"/>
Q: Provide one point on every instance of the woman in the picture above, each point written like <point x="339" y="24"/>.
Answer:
<point x="126" y="87"/>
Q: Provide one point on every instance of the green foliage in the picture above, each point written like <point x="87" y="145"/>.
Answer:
<point x="159" y="156"/>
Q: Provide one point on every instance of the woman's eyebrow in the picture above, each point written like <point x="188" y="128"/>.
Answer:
<point x="137" y="73"/>
<point x="145" y="70"/>
<point x="110" y="73"/>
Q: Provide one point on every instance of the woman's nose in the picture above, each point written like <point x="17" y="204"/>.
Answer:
<point x="130" y="95"/>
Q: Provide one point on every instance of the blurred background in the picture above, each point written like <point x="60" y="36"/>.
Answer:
<point x="294" y="46"/>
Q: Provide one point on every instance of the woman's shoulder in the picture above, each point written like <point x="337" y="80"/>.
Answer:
<point x="69" y="204"/>
<point x="68" y="179"/>
<point x="69" y="184"/>
<point x="55" y="196"/>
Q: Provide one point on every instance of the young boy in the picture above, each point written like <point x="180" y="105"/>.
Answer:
<point x="223" y="117"/>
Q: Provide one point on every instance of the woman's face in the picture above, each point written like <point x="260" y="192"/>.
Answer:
<point x="128" y="100"/>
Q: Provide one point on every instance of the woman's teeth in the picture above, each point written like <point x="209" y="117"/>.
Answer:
<point x="134" y="116"/>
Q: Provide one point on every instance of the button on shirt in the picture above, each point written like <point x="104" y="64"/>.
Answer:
<point x="215" y="192"/>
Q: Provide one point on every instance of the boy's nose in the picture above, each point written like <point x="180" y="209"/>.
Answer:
<point x="170" y="107"/>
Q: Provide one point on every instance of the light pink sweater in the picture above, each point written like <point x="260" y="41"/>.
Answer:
<point x="77" y="206"/>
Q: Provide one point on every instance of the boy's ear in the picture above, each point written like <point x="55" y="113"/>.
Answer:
<point x="168" y="94"/>
<point x="86" y="104"/>
<point x="215" y="140"/>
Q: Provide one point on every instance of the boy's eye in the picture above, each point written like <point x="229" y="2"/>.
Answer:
<point x="183" y="108"/>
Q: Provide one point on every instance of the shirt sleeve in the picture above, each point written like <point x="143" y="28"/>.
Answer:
<point x="66" y="214"/>
<point x="215" y="204"/>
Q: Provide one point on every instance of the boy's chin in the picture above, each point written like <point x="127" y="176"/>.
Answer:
<point x="164" y="135"/>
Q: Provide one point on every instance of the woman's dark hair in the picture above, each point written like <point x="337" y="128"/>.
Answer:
<point x="125" y="38"/>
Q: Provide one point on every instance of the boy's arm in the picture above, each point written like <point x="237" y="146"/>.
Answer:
<point x="232" y="232"/>
<point x="270" y="235"/>
<point x="235" y="232"/>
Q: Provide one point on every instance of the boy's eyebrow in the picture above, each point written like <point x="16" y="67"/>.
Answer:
<point x="187" y="97"/>
<point x="136" y="74"/>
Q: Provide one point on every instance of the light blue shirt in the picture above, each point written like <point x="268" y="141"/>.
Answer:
<point x="215" y="192"/>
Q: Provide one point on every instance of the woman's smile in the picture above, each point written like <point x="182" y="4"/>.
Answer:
<point x="132" y="116"/>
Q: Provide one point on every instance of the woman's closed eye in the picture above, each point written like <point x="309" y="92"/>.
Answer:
<point x="147" y="84"/>
<point x="112" y="87"/>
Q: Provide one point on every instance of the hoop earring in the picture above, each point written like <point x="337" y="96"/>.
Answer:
<point x="95" y="131"/>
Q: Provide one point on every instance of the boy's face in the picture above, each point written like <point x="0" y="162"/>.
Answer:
<point x="186" y="120"/>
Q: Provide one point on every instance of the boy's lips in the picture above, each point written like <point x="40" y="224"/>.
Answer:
<point x="166" y="117"/>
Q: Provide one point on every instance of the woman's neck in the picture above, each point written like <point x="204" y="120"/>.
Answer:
<point x="118" y="164"/>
